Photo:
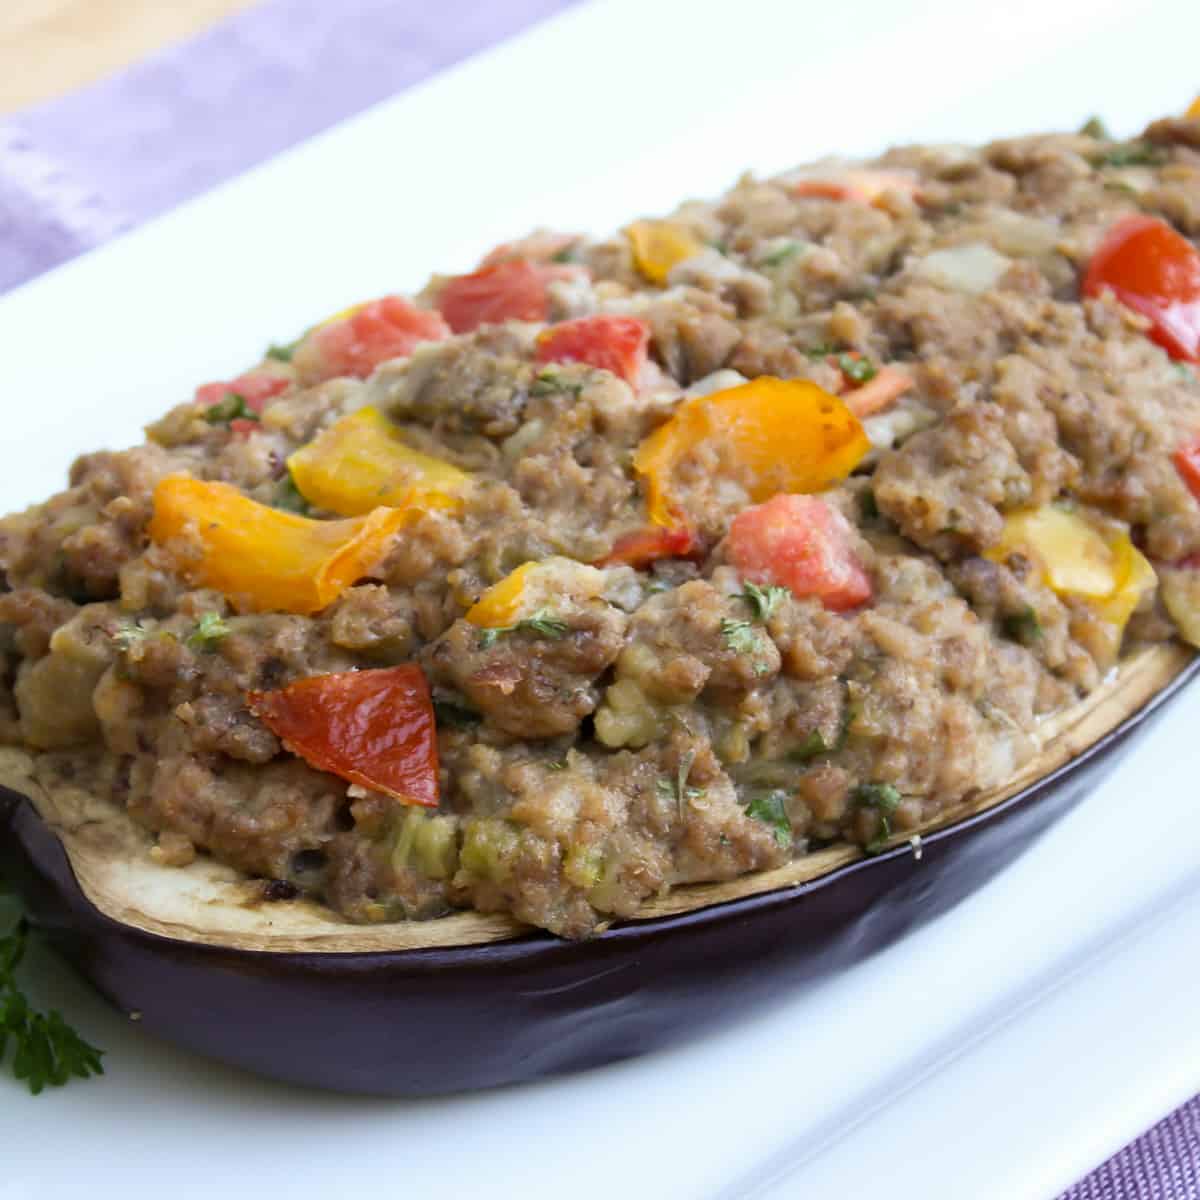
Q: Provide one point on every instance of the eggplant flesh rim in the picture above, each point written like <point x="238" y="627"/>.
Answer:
<point x="214" y="905"/>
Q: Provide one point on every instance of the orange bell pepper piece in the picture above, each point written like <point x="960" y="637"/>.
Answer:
<point x="261" y="558"/>
<point x="359" y="463"/>
<point x="1193" y="112"/>
<point x="775" y="435"/>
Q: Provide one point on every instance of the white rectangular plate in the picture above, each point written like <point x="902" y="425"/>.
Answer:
<point x="1000" y="1052"/>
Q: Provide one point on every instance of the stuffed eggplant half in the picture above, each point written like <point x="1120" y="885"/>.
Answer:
<point x="750" y="561"/>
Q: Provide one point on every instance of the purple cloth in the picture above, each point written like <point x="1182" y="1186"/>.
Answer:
<point x="78" y="170"/>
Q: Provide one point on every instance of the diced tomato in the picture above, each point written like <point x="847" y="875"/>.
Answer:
<point x="1156" y="272"/>
<point x="1187" y="463"/>
<point x="243" y="426"/>
<point x="508" y="291"/>
<point x="375" y="728"/>
<point x="255" y="387"/>
<point x="803" y="544"/>
<point x="611" y="343"/>
<point x="641" y="547"/>
<point x="372" y="334"/>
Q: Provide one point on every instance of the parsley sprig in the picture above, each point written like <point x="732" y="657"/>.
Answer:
<point x="231" y="408"/>
<point x="763" y="601"/>
<point x="46" y="1050"/>
<point x="770" y="808"/>
<point x="543" y="623"/>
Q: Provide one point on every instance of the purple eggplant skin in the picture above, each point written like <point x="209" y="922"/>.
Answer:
<point x="425" y="1022"/>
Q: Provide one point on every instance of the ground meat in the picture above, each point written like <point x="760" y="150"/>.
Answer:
<point x="628" y="728"/>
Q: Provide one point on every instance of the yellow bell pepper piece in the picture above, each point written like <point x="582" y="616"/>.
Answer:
<point x="342" y="314"/>
<point x="359" y="463"/>
<point x="261" y="558"/>
<point x="1193" y="112"/>
<point x="659" y="245"/>
<point x="503" y="602"/>
<point x="1077" y="559"/>
<point x="775" y="435"/>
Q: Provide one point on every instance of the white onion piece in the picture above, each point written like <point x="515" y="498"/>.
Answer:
<point x="974" y="268"/>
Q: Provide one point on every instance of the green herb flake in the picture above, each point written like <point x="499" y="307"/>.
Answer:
<point x="1024" y="626"/>
<point x="821" y="350"/>
<point x="568" y="254"/>
<point x="884" y="799"/>
<point x="231" y="408"/>
<point x="813" y="745"/>
<point x="782" y="253"/>
<point x="1132" y="154"/>
<point x="771" y="808"/>
<point x="208" y="631"/>
<point x="543" y="623"/>
<point x="549" y="382"/>
<point x="290" y="498"/>
<point x="283" y="353"/>
<point x="1094" y="127"/>
<point x="46" y="1050"/>
<point x="556" y="764"/>
<point x="763" y="601"/>
<point x="451" y="715"/>
<point x="857" y="370"/>
<point x="677" y="789"/>
<point x="739" y="635"/>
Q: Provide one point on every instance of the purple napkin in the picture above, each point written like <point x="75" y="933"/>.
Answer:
<point x="79" y="170"/>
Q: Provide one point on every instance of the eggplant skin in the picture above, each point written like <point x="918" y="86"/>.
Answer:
<point x="532" y="1005"/>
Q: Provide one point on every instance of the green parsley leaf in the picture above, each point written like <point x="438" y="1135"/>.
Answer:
<point x="452" y="715"/>
<point x="763" y="601"/>
<point x="1132" y="154"/>
<point x="813" y="744"/>
<point x="821" y="350"/>
<point x="46" y="1050"/>
<point x="543" y="623"/>
<point x="1095" y="127"/>
<point x="857" y="370"/>
<point x="1024" y="626"/>
<point x="782" y="252"/>
<point x="283" y="353"/>
<point x="231" y="408"/>
<point x="549" y="381"/>
<point x="209" y="630"/>
<point x="884" y="799"/>
<point x="290" y="498"/>
<point x="677" y="789"/>
<point x="739" y="635"/>
<point x="770" y="808"/>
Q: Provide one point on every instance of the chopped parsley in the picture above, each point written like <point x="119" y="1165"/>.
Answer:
<point x="884" y="799"/>
<point x="1024" y="626"/>
<point x="814" y="744"/>
<point x="452" y="715"/>
<point x="46" y="1050"/>
<point x="821" y="350"/>
<point x="1095" y="127"/>
<point x="556" y="764"/>
<point x="677" y="789"/>
<point x="568" y="254"/>
<point x="283" y="353"/>
<point x="231" y="408"/>
<point x="290" y="498"/>
<point x="770" y="808"/>
<point x="857" y="370"/>
<point x="549" y="381"/>
<point x="782" y="252"/>
<point x="543" y="623"/>
<point x="208" y="631"/>
<point x="1132" y="154"/>
<point x="739" y="635"/>
<point x="763" y="601"/>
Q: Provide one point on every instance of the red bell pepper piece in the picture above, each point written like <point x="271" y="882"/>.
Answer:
<point x="375" y="728"/>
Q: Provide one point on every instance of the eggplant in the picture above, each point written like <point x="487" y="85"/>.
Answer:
<point x="287" y="991"/>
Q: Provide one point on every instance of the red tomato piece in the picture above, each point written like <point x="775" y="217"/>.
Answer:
<point x="507" y="291"/>
<point x="616" y="344"/>
<point x="255" y="387"/>
<point x="382" y="329"/>
<point x="641" y="547"/>
<point x="242" y="426"/>
<point x="375" y="728"/>
<point x="1156" y="272"/>
<point x="1187" y="463"/>
<point x="803" y="544"/>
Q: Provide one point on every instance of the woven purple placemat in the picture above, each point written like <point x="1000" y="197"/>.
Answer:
<point x="77" y="171"/>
